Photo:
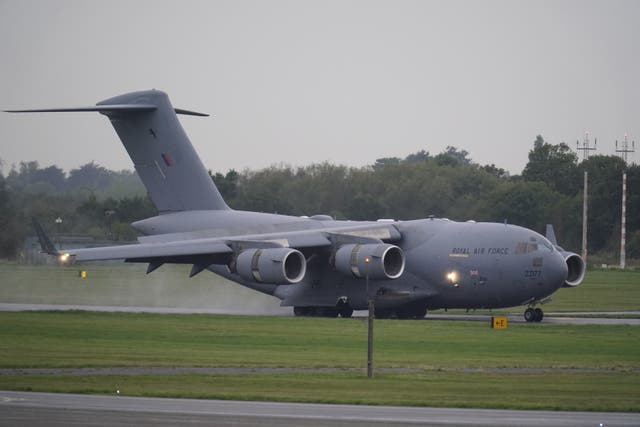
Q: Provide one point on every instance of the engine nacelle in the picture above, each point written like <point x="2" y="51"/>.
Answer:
<point x="576" y="269"/>
<point x="283" y="266"/>
<point x="384" y="261"/>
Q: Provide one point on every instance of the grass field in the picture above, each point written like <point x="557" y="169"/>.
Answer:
<point x="466" y="364"/>
<point x="462" y="364"/>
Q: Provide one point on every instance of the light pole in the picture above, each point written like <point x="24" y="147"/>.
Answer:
<point x="58" y="222"/>
<point x="586" y="148"/>
<point x="371" y="308"/>
<point x="624" y="150"/>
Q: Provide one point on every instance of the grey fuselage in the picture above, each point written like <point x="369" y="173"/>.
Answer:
<point x="448" y="264"/>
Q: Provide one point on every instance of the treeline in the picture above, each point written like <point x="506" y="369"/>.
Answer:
<point x="89" y="200"/>
<point x="451" y="185"/>
<point x="92" y="200"/>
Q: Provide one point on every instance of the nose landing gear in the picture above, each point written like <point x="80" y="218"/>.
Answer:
<point x="533" y="315"/>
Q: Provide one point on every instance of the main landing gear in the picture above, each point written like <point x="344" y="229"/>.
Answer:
<point x="533" y="315"/>
<point x="343" y="311"/>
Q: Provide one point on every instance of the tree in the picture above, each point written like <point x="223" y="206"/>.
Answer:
<point x="386" y="161"/>
<point x="417" y="157"/>
<point x="555" y="165"/>
<point x="528" y="204"/>
<point x="90" y="175"/>
<point x="605" y="201"/>
<point x="451" y="156"/>
<point x="9" y="236"/>
<point x="633" y="247"/>
<point x="227" y="184"/>
<point x="492" y="169"/>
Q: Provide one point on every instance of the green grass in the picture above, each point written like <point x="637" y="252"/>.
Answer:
<point x="606" y="359"/>
<point x="602" y="290"/>
<point x="569" y="367"/>
<point x="85" y="339"/>
<point x="560" y="391"/>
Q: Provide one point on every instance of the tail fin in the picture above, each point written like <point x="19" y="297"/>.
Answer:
<point x="46" y="245"/>
<point x="161" y="152"/>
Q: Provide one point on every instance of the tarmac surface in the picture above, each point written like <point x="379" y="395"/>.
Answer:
<point x="573" y="318"/>
<point x="53" y="409"/>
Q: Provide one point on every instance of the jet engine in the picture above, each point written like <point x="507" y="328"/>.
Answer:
<point x="273" y="265"/>
<point x="378" y="261"/>
<point x="576" y="269"/>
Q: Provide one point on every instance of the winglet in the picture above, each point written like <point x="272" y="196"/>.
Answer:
<point x="46" y="245"/>
<point x="551" y="235"/>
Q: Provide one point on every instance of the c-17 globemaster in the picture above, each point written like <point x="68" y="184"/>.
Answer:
<point x="317" y="265"/>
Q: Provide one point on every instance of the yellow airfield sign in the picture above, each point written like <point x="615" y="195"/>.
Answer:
<point x="499" y="322"/>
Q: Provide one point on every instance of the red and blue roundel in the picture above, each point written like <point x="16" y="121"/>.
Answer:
<point x="167" y="159"/>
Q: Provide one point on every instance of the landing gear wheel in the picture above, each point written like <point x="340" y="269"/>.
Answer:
<point x="530" y="315"/>
<point x="539" y="315"/>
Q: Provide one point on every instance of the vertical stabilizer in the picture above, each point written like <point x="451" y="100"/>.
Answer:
<point x="162" y="154"/>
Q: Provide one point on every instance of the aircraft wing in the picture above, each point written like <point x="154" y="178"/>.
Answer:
<point x="149" y="250"/>
<point x="219" y="249"/>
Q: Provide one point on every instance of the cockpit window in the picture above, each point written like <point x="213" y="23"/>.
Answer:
<point x="547" y="244"/>
<point x="526" y="248"/>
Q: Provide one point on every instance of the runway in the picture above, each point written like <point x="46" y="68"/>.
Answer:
<point x="573" y="318"/>
<point x="52" y="409"/>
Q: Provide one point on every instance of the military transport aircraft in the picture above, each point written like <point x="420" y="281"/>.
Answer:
<point x="316" y="264"/>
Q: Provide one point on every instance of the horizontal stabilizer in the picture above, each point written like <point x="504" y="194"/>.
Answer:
<point x="189" y="113"/>
<point x="100" y="108"/>
<point x="122" y="108"/>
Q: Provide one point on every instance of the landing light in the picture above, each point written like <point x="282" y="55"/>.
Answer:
<point x="452" y="277"/>
<point x="64" y="258"/>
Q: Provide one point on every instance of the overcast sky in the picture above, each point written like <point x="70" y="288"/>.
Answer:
<point x="300" y="82"/>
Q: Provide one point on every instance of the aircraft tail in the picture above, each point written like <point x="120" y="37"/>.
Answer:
<point x="162" y="154"/>
<point x="46" y="245"/>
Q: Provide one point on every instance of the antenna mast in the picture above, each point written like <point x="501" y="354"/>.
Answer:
<point x="586" y="148"/>
<point x="624" y="150"/>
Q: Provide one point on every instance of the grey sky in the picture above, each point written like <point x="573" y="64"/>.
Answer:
<point x="306" y="81"/>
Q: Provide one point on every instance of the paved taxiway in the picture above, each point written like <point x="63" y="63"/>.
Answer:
<point x="52" y="409"/>
<point x="560" y="318"/>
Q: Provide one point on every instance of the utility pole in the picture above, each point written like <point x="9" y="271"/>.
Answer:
<point x="586" y="148"/>
<point x="369" y="325"/>
<point x="624" y="150"/>
<point x="58" y="222"/>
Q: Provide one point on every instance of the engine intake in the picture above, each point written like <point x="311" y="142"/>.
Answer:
<point x="385" y="261"/>
<point x="576" y="269"/>
<point x="282" y="266"/>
